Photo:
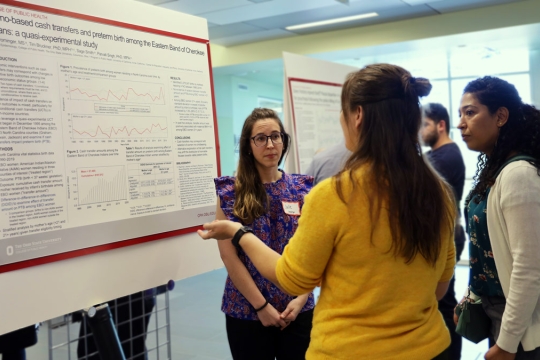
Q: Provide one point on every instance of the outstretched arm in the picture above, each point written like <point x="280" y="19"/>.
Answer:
<point x="306" y="255"/>
<point x="264" y="258"/>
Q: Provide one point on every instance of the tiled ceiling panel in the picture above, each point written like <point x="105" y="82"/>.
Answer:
<point x="218" y="32"/>
<point x="196" y="7"/>
<point x="330" y="12"/>
<point x="233" y="22"/>
<point x="457" y="5"/>
<point x="255" y="36"/>
<point x="419" y="2"/>
<point x="266" y="9"/>
<point x="384" y="16"/>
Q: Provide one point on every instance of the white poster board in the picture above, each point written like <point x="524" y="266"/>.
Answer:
<point x="108" y="139"/>
<point x="312" y="104"/>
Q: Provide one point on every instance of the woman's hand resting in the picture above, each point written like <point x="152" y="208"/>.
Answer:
<point x="269" y="316"/>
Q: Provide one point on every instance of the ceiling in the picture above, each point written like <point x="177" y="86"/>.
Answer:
<point x="517" y="37"/>
<point x="234" y="22"/>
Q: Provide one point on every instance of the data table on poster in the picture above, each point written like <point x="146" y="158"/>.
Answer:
<point x="107" y="132"/>
<point x="316" y="106"/>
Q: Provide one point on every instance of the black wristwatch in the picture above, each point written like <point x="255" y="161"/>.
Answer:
<point x="241" y="232"/>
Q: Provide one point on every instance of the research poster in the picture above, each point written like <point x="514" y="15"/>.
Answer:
<point x="316" y="106"/>
<point x="107" y="132"/>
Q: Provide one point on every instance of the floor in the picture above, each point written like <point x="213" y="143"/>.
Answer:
<point x="197" y="324"/>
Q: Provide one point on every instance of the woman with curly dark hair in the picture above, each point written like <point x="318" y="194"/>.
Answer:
<point x="503" y="214"/>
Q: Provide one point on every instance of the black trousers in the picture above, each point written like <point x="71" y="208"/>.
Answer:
<point x="447" y="305"/>
<point x="445" y="355"/>
<point x="13" y="345"/>
<point x="249" y="339"/>
<point x="494" y="307"/>
<point x="132" y="323"/>
<point x="19" y="354"/>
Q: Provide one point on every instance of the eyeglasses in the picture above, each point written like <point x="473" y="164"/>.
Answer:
<point x="261" y="139"/>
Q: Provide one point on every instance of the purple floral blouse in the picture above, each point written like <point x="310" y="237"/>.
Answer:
<point x="275" y="228"/>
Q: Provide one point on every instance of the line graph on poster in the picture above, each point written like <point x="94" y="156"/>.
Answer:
<point x="107" y="127"/>
<point x="115" y="91"/>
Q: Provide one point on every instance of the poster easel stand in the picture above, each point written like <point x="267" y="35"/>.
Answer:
<point x="144" y="329"/>
<point x="105" y="336"/>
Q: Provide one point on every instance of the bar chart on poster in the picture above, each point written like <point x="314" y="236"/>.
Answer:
<point x="107" y="132"/>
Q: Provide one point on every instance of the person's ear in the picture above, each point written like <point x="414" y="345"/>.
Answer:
<point x="502" y="115"/>
<point x="441" y="126"/>
<point x="358" y="117"/>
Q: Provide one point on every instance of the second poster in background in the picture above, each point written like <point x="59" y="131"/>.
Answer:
<point x="316" y="107"/>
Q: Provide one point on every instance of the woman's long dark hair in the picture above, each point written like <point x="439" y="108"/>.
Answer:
<point x="419" y="202"/>
<point x="251" y="200"/>
<point x="520" y="134"/>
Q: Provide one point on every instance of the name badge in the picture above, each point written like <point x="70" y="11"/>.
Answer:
<point x="291" y="208"/>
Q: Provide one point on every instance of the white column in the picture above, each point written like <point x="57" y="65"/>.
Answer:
<point x="534" y="60"/>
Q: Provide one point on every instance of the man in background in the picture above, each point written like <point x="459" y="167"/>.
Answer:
<point x="328" y="162"/>
<point x="446" y="158"/>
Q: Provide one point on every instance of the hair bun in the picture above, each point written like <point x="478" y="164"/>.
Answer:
<point x="416" y="86"/>
<point x="422" y="86"/>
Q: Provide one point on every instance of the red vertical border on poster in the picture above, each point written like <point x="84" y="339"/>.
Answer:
<point x="123" y="243"/>
<point x="290" y="80"/>
<point x="216" y="130"/>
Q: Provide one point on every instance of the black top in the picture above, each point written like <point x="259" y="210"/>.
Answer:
<point x="448" y="162"/>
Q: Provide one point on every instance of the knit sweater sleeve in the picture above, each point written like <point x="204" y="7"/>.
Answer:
<point x="304" y="259"/>
<point x="520" y="206"/>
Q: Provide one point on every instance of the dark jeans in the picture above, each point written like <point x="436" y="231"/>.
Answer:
<point x="249" y="339"/>
<point x="447" y="305"/>
<point x="494" y="308"/>
<point x="19" y="354"/>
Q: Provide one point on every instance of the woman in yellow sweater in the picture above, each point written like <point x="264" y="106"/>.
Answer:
<point x="378" y="236"/>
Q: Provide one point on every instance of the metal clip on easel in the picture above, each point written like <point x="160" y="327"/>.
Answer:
<point x="107" y="342"/>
